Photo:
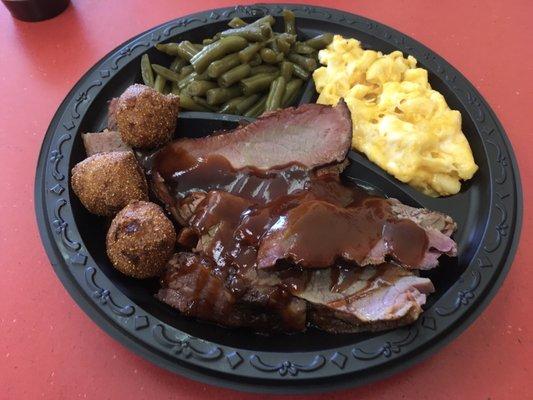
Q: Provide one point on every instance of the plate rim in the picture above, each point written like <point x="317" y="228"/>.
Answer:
<point x="268" y="383"/>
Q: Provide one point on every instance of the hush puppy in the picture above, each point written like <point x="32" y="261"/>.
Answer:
<point x="144" y="117"/>
<point x="140" y="240"/>
<point x="107" y="182"/>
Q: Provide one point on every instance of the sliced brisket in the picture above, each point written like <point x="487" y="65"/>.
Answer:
<point x="269" y="221"/>
<point x="103" y="142"/>
<point x="316" y="233"/>
<point x="365" y="299"/>
<point x="192" y="286"/>
<point x="311" y="135"/>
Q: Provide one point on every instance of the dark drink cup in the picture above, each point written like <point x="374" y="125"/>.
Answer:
<point x="35" y="10"/>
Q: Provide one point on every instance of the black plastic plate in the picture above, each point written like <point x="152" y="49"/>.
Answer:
<point x="488" y="211"/>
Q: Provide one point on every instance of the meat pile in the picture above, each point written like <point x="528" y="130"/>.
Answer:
<point x="272" y="239"/>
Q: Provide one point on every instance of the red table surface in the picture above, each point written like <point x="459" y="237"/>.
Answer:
<point x="50" y="349"/>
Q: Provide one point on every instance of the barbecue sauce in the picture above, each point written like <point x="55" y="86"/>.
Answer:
<point x="184" y="175"/>
<point x="285" y="213"/>
<point x="207" y="291"/>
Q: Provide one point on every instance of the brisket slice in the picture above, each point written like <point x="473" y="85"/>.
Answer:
<point x="214" y="286"/>
<point x="330" y="189"/>
<point x="191" y="285"/>
<point x="365" y="299"/>
<point x="311" y="135"/>
<point x="315" y="234"/>
<point x="350" y="300"/>
<point x="103" y="142"/>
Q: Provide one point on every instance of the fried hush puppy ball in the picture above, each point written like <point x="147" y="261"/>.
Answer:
<point x="144" y="117"/>
<point x="107" y="182"/>
<point x="140" y="240"/>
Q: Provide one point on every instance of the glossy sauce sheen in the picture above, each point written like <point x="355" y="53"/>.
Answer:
<point x="245" y="207"/>
<point x="208" y="292"/>
<point x="315" y="233"/>
<point x="184" y="175"/>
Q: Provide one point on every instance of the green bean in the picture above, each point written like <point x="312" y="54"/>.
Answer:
<point x="202" y="77"/>
<point x="246" y="103"/>
<point x="146" y="71"/>
<point x="257" y="83"/>
<point x="188" y="103"/>
<point x="300" y="72"/>
<point x="222" y="95"/>
<point x="264" y="69"/>
<point x="159" y="83"/>
<point x="320" y="41"/>
<point x="273" y="44"/>
<point x="217" y="50"/>
<point x="236" y="23"/>
<point x="168" y="48"/>
<point x="283" y="45"/>
<point x="246" y="54"/>
<point x="184" y="82"/>
<point x="275" y="95"/>
<point x="256" y="60"/>
<point x="270" y="56"/>
<point x="177" y="64"/>
<point x="203" y="102"/>
<point x="302" y="48"/>
<point x="231" y="106"/>
<point x="307" y="63"/>
<point x="200" y="88"/>
<point x="233" y="71"/>
<point x="218" y="67"/>
<point x="289" y="20"/>
<point x="291" y="92"/>
<point x="186" y="50"/>
<point x="187" y="70"/>
<point x="166" y="73"/>
<point x="267" y="19"/>
<point x="253" y="33"/>
<point x="257" y="109"/>
<point x="174" y="89"/>
<point x="286" y="69"/>
<point x="290" y="38"/>
<point x="234" y="75"/>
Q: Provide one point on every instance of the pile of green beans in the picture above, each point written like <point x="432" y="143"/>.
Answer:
<point x="244" y="70"/>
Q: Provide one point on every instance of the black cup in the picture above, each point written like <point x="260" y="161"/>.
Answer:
<point x="35" y="10"/>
